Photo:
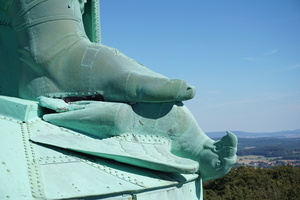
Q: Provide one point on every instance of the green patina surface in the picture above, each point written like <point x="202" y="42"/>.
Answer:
<point x="51" y="50"/>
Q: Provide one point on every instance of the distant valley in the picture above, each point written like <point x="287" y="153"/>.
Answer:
<point x="241" y="134"/>
<point x="266" y="149"/>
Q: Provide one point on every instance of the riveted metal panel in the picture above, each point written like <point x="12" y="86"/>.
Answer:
<point x="185" y="191"/>
<point x="14" y="179"/>
<point x="32" y="171"/>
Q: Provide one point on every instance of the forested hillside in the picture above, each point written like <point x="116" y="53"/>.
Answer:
<point x="248" y="183"/>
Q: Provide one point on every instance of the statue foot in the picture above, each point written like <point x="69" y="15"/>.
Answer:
<point x="59" y="59"/>
<point x="105" y="119"/>
<point x="217" y="158"/>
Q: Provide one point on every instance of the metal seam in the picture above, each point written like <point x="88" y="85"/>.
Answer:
<point x="26" y="9"/>
<point x="33" y="169"/>
<point x="44" y="20"/>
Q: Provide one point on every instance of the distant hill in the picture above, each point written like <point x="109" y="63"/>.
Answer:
<point x="241" y="134"/>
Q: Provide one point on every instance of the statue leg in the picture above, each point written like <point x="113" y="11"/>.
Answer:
<point x="58" y="58"/>
<point x="171" y="120"/>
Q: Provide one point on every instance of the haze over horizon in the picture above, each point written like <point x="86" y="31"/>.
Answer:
<point x="242" y="56"/>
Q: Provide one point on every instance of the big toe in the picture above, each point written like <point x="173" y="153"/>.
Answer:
<point x="181" y="90"/>
<point x="229" y="140"/>
<point x="226" y="146"/>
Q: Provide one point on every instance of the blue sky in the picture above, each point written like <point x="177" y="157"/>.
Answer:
<point x="242" y="56"/>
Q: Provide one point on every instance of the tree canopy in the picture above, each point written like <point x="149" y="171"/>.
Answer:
<point x="248" y="183"/>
